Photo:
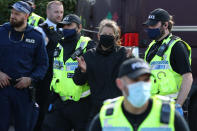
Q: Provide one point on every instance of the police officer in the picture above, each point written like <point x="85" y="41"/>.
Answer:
<point x="51" y="35"/>
<point x="71" y="107"/>
<point x="136" y="110"/>
<point x="169" y="57"/>
<point x="34" y="19"/>
<point x="23" y="61"/>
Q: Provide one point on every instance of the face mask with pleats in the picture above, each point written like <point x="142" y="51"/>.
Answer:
<point x="139" y="93"/>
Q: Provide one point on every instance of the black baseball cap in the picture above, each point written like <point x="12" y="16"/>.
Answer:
<point x="157" y="15"/>
<point x="21" y="6"/>
<point x="134" y="68"/>
<point x="69" y="19"/>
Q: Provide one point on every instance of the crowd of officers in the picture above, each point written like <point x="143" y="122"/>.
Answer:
<point x="82" y="85"/>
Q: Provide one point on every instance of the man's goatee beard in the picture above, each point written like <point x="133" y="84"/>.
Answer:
<point x="16" y="24"/>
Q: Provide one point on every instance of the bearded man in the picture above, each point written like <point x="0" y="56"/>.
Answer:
<point x="23" y="61"/>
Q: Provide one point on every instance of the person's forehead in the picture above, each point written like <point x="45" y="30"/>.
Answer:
<point x="107" y="29"/>
<point x="56" y="7"/>
<point x="16" y="11"/>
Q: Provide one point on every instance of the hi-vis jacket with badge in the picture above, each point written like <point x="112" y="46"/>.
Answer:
<point x="62" y="82"/>
<point x="160" y="118"/>
<point x="165" y="80"/>
<point x="34" y="19"/>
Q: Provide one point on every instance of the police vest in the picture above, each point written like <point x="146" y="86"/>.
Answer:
<point x="34" y="19"/>
<point x="165" y="81"/>
<point x="62" y="82"/>
<point x="160" y="118"/>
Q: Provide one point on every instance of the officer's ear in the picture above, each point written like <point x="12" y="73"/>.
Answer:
<point x="26" y="16"/>
<point x="165" y="24"/>
<point x="98" y="36"/>
<point x="120" y="84"/>
<point x="79" y="28"/>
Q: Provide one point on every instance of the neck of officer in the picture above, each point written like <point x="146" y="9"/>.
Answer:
<point x="167" y="32"/>
<point x="21" y="28"/>
<point x="133" y="110"/>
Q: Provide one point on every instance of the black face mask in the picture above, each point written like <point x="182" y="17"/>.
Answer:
<point x="69" y="32"/>
<point x="107" y="40"/>
<point x="155" y="34"/>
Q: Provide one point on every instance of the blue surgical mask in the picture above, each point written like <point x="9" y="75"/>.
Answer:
<point x="139" y="93"/>
<point x="153" y="34"/>
<point x="69" y="32"/>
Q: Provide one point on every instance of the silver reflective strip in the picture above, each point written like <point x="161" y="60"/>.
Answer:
<point x="84" y="94"/>
<point x="172" y="96"/>
<point x="116" y="129"/>
<point x="156" y="129"/>
<point x="82" y="44"/>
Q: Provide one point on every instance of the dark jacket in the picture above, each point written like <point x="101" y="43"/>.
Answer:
<point x="22" y="56"/>
<point x="54" y="38"/>
<point x="102" y="70"/>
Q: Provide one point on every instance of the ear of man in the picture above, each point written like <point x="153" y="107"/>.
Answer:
<point x="165" y="24"/>
<point x="119" y="84"/>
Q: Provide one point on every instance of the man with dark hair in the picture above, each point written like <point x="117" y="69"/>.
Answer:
<point x="169" y="57"/>
<point x="23" y="61"/>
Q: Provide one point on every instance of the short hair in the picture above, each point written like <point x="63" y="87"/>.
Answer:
<point x="54" y="2"/>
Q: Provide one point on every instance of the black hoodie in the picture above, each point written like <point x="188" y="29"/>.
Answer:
<point x="102" y="70"/>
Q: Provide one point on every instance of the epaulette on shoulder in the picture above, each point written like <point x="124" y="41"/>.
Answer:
<point x="43" y="24"/>
<point x="36" y="30"/>
<point x="174" y="37"/>
<point x="165" y="99"/>
<point x="111" y="100"/>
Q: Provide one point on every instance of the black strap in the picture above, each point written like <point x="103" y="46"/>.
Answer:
<point x="163" y="48"/>
<point x="47" y="29"/>
<point x="165" y="113"/>
<point x="43" y="25"/>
